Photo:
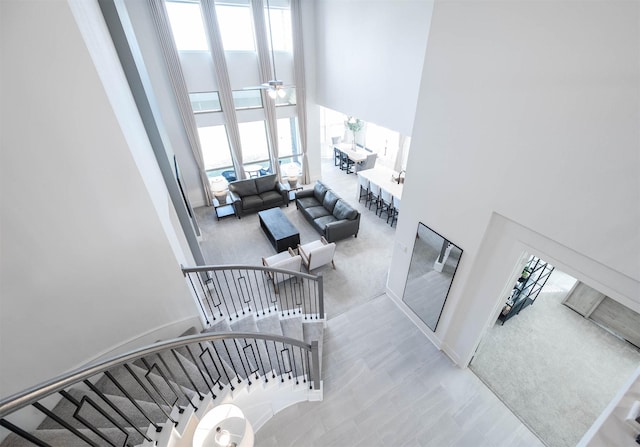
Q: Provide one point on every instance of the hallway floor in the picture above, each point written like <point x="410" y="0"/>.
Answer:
<point x="386" y="384"/>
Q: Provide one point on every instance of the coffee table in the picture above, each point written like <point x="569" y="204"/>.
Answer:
<point x="278" y="229"/>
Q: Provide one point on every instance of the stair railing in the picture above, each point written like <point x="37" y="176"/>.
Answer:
<point x="155" y="381"/>
<point x="229" y="291"/>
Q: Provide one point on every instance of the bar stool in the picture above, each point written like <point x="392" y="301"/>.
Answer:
<point x="374" y="195"/>
<point x="364" y="189"/>
<point x="396" y="210"/>
<point x="386" y="203"/>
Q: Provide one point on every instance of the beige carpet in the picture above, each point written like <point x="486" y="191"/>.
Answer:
<point x="361" y="263"/>
<point x="556" y="370"/>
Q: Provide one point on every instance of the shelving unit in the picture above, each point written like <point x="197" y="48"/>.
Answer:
<point x="527" y="288"/>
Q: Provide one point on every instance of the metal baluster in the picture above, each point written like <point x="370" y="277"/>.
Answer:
<point x="272" y="298"/>
<point x="274" y="372"/>
<point x="76" y="415"/>
<point x="233" y="366"/>
<point x="184" y="370"/>
<point x="146" y="390"/>
<point x="155" y="387"/>
<point x="229" y="381"/>
<point x="117" y="410"/>
<point x="247" y="374"/>
<point x="23" y="434"/>
<point x="64" y="423"/>
<point x="280" y="365"/>
<point x="251" y="346"/>
<point x="243" y="292"/>
<point x="206" y="317"/>
<point x="295" y="366"/>
<point x="200" y="370"/>
<point x="284" y="363"/>
<point x="211" y="295"/>
<point x="256" y="288"/>
<point x="226" y="280"/>
<point x="172" y="381"/>
<point x="215" y="281"/>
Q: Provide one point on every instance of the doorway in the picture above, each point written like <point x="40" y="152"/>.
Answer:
<point x="555" y="369"/>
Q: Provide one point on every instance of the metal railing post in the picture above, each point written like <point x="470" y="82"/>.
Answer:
<point x="315" y="365"/>
<point x="321" y="296"/>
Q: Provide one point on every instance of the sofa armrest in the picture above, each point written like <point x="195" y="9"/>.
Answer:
<point x="284" y="192"/>
<point x="236" y="201"/>
<point x="304" y="193"/>
<point x="341" y="229"/>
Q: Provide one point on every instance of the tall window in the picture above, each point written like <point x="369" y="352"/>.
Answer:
<point x="281" y="29"/>
<point x="187" y="26"/>
<point x="215" y="147"/>
<point x="288" y="138"/>
<point x="236" y="28"/>
<point x="253" y="137"/>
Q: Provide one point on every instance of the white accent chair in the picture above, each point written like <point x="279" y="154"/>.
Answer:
<point x="317" y="253"/>
<point x="287" y="260"/>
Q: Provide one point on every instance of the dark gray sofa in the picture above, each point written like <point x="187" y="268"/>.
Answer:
<point x="330" y="215"/>
<point x="256" y="194"/>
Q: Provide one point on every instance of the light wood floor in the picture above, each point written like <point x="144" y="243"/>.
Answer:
<point x="386" y="384"/>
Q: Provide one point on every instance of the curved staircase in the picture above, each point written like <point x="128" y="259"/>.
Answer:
<point x="262" y="362"/>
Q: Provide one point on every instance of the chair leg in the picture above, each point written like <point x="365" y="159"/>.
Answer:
<point x="333" y="264"/>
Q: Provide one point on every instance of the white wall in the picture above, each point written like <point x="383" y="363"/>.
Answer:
<point x="87" y="259"/>
<point x="370" y="56"/>
<point x="526" y="140"/>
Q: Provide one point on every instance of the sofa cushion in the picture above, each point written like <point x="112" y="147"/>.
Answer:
<point x="319" y="191"/>
<point x="317" y="211"/>
<point x="266" y="183"/>
<point x="343" y="210"/>
<point x="308" y="202"/>
<point x="329" y="201"/>
<point x="322" y="222"/>
<point x="271" y="197"/>
<point x="251" y="202"/>
<point x="244" y="187"/>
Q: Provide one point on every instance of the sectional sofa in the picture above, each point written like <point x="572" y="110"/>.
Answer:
<point x="330" y="215"/>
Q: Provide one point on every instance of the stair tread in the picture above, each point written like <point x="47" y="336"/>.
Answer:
<point x="292" y="327"/>
<point x="269" y="324"/>
<point x="220" y="325"/>
<point x="246" y="324"/>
